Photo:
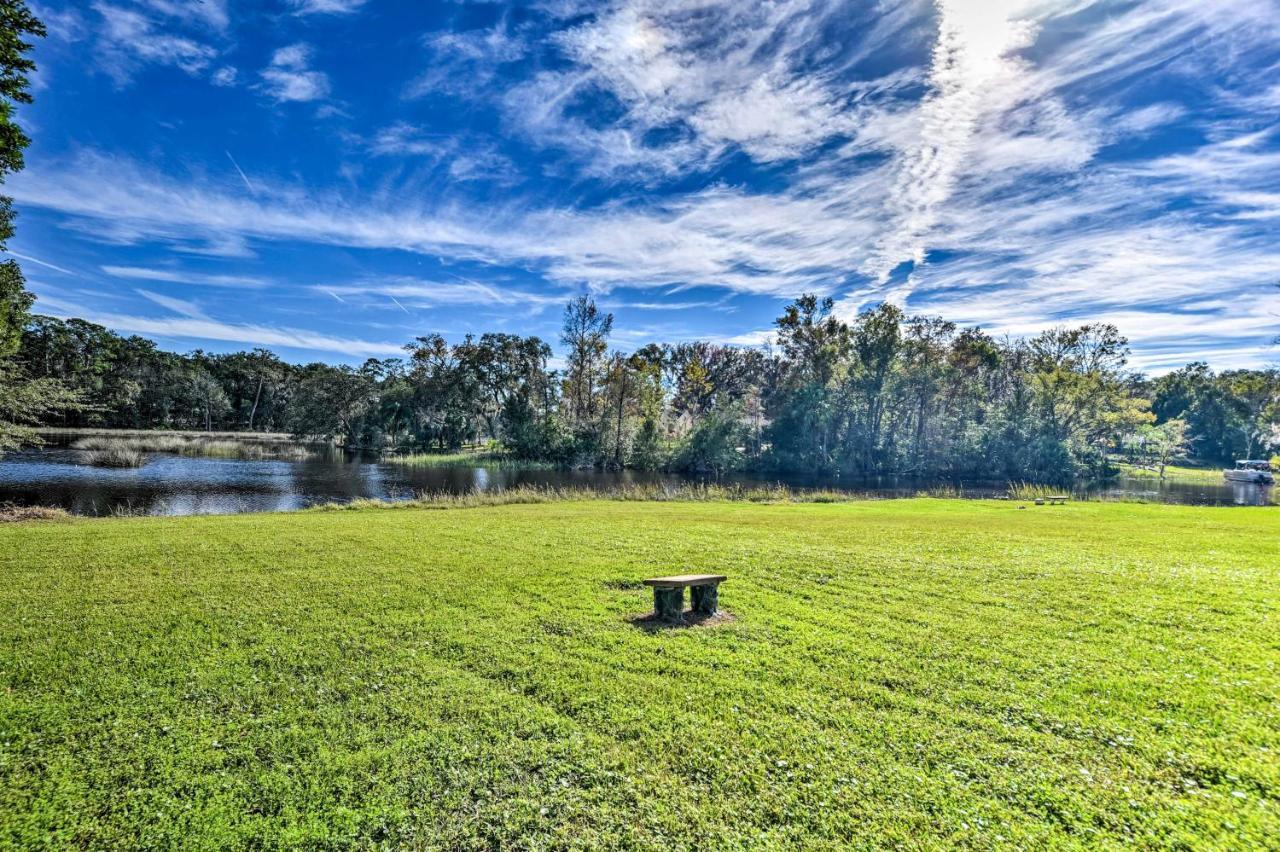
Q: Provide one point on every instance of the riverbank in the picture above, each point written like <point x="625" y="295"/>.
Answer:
<point x="1176" y="472"/>
<point x="914" y="672"/>
<point x="469" y="458"/>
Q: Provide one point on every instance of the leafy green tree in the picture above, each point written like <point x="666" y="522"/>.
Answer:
<point x="801" y="405"/>
<point x="713" y="447"/>
<point x="1194" y="394"/>
<point x="23" y="401"/>
<point x="1157" y="447"/>
<point x="876" y="345"/>
<point x="17" y="25"/>
<point x="1256" y="397"/>
<point x="207" y="398"/>
<point x="1081" y="393"/>
<point x="333" y="402"/>
<point x="586" y="337"/>
<point x="443" y="396"/>
<point x="15" y="301"/>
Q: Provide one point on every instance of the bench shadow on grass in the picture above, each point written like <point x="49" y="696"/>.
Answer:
<point x="650" y="623"/>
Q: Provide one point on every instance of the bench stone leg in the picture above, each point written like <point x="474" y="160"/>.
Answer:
<point x="706" y="599"/>
<point x="668" y="604"/>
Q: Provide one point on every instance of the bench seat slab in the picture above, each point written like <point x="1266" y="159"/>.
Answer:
<point x="683" y="580"/>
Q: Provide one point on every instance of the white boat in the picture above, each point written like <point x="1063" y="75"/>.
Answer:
<point x="1251" y="470"/>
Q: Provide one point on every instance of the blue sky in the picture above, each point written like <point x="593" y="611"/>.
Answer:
<point x="331" y="178"/>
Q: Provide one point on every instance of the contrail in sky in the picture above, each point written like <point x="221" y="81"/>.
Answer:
<point x="29" y="259"/>
<point x="243" y="176"/>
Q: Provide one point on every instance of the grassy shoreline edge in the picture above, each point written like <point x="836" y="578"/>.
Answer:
<point x="1019" y="494"/>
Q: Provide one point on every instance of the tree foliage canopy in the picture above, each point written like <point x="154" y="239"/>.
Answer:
<point x="880" y="394"/>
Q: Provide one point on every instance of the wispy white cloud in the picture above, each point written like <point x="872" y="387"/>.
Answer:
<point x="290" y="77"/>
<point x="425" y="294"/>
<point x="462" y="63"/>
<point x="225" y="76"/>
<point x="462" y="159"/>
<point x="67" y="24"/>
<point x="199" y="328"/>
<point x="176" y="276"/>
<point x="210" y="13"/>
<point x="182" y="307"/>
<point x="711" y="77"/>
<point x="974" y="43"/>
<point x="326" y="7"/>
<point x="129" y="39"/>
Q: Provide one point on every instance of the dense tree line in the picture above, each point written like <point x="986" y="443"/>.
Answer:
<point x="884" y="394"/>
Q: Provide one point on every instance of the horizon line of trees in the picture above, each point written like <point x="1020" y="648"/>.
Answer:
<point x="884" y="394"/>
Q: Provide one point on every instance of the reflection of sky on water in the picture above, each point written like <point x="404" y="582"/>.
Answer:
<point x="182" y="485"/>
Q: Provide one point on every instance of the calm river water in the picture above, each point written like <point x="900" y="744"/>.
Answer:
<point x="183" y="485"/>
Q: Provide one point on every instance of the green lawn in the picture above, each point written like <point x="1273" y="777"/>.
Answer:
<point x="920" y="673"/>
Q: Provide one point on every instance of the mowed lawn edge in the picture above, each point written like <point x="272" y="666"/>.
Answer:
<point x="916" y="672"/>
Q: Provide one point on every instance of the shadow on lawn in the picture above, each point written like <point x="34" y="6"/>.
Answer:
<point x="650" y="623"/>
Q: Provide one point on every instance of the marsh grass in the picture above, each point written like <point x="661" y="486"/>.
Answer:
<point x="1034" y="491"/>
<point x="647" y="493"/>
<point x="10" y="514"/>
<point x="114" y="454"/>
<point x="105" y="446"/>
<point x="75" y="433"/>
<point x="486" y="459"/>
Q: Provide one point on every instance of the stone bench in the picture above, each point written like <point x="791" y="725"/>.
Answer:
<point x="668" y="594"/>
<point x="1056" y="499"/>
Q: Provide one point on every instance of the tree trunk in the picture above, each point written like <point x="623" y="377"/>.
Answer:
<point x="257" y="396"/>
<point x="622" y="391"/>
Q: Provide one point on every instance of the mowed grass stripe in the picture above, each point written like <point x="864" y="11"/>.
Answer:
<point x="918" y="672"/>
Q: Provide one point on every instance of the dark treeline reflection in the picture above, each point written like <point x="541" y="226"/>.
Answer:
<point x="885" y="394"/>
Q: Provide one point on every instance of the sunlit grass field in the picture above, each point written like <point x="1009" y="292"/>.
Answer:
<point x="919" y="673"/>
